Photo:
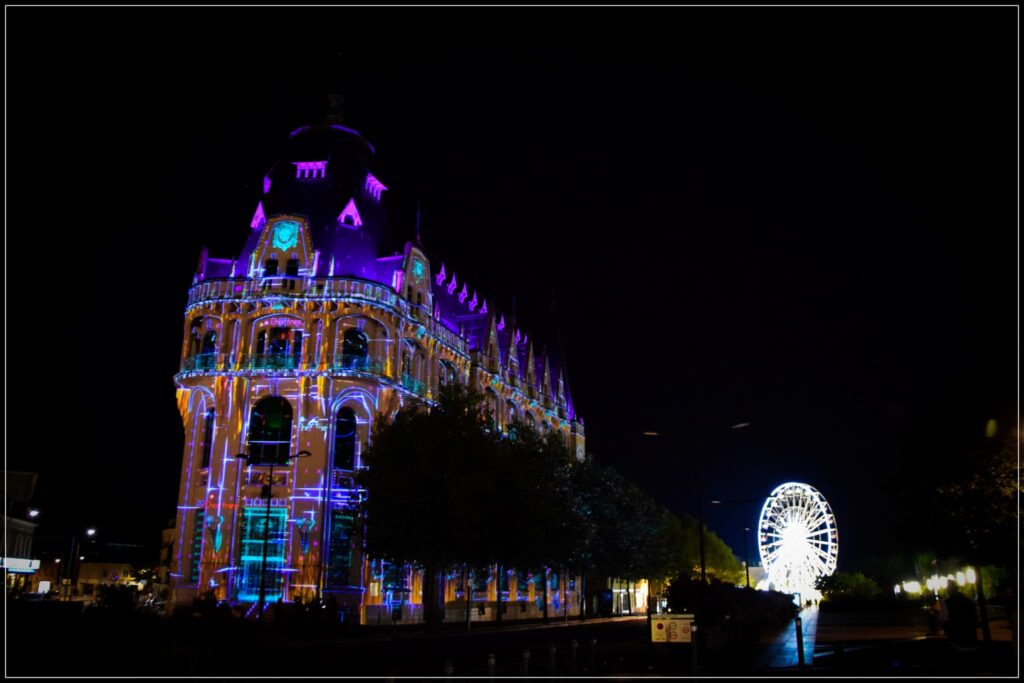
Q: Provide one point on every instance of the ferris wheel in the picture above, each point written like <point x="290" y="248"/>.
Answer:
<point x="797" y="538"/>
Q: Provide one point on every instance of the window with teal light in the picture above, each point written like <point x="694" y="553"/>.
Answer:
<point x="254" y="525"/>
<point x="196" y="547"/>
<point x="285" y="235"/>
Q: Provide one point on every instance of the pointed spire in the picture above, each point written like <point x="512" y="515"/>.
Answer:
<point x="258" y="218"/>
<point x="463" y="294"/>
<point x="473" y="302"/>
<point x="483" y="309"/>
<point x="518" y="336"/>
<point x="501" y="323"/>
<point x="452" y="285"/>
<point x="418" y="224"/>
<point x="439" y="278"/>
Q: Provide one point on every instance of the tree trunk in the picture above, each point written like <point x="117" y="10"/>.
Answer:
<point x="497" y="602"/>
<point x="430" y="575"/>
<point x="468" y="584"/>
<point x="583" y="595"/>
<point x="547" y="578"/>
<point x="986" y="632"/>
<point x="565" y="594"/>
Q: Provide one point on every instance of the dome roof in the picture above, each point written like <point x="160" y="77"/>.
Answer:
<point x="323" y="175"/>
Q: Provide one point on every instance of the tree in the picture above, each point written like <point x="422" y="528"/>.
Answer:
<point x="432" y="487"/>
<point x="846" y="586"/>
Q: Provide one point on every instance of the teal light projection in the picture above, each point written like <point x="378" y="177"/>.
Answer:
<point x="253" y="528"/>
<point x="342" y="522"/>
<point x="417" y="269"/>
<point x="196" y="547"/>
<point x="286" y="234"/>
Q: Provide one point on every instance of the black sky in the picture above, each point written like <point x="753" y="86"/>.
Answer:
<point x="805" y="219"/>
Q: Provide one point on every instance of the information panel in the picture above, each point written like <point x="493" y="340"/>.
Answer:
<point x="671" y="628"/>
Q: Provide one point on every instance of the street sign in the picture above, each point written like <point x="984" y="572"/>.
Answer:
<point x="672" y="628"/>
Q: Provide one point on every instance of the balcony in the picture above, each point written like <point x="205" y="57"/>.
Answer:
<point x="270" y="361"/>
<point x="414" y="385"/>
<point x="200" y="361"/>
<point x="358" y="364"/>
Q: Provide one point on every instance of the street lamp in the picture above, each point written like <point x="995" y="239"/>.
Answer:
<point x="72" y="553"/>
<point x="268" y="490"/>
<point x="743" y="511"/>
<point x="700" y="508"/>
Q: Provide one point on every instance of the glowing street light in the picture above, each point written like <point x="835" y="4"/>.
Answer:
<point x="90" y="532"/>
<point x="33" y="513"/>
<point x="961" y="579"/>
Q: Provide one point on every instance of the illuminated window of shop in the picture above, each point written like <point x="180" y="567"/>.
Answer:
<point x="254" y="527"/>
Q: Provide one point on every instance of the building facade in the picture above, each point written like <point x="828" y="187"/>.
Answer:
<point x="299" y="344"/>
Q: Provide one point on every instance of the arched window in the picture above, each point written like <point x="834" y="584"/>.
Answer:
<point x="494" y="406"/>
<point x="195" y="337"/>
<point x="446" y="377"/>
<point x="355" y="348"/>
<point x="270" y="267"/>
<point x="345" y="440"/>
<point x="270" y="430"/>
<point x="210" y="342"/>
<point x="510" y="412"/>
<point x="207" y="438"/>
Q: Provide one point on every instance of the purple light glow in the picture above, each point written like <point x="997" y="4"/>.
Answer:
<point x="463" y="294"/>
<point x="452" y="285"/>
<point x="374" y="186"/>
<point x="439" y="278"/>
<point x="501" y="323"/>
<point x="266" y="184"/>
<point x="350" y="211"/>
<point x="518" y="337"/>
<point x="354" y="132"/>
<point x="258" y="218"/>
<point x="297" y="131"/>
<point x="483" y="309"/>
<point x="305" y="170"/>
<point x="473" y="302"/>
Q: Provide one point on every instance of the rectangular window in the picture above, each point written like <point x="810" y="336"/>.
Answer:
<point x="196" y="547"/>
<point x="340" y="548"/>
<point x="254" y="526"/>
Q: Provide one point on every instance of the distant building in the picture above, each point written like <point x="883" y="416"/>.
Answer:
<point x="93" y="575"/>
<point x="19" y="530"/>
<point x="299" y="343"/>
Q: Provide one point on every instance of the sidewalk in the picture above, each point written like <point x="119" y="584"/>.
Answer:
<point x="782" y="652"/>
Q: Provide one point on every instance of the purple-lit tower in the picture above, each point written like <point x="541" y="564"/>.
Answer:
<point x="298" y="344"/>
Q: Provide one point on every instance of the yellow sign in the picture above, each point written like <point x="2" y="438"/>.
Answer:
<point x="672" y="628"/>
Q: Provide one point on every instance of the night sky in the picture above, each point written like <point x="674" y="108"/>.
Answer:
<point x="804" y="219"/>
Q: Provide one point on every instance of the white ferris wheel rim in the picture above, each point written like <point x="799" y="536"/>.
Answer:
<point x="797" y="535"/>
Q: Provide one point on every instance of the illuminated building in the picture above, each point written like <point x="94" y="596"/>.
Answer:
<point x="297" y="344"/>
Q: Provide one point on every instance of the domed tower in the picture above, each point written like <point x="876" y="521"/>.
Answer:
<point x="298" y="345"/>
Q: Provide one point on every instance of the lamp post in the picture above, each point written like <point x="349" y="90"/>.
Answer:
<point x="73" y="552"/>
<point x="700" y="508"/>
<point x="268" y="489"/>
<point x="743" y="525"/>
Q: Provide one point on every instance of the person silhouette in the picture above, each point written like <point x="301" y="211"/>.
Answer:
<point x="962" y="627"/>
